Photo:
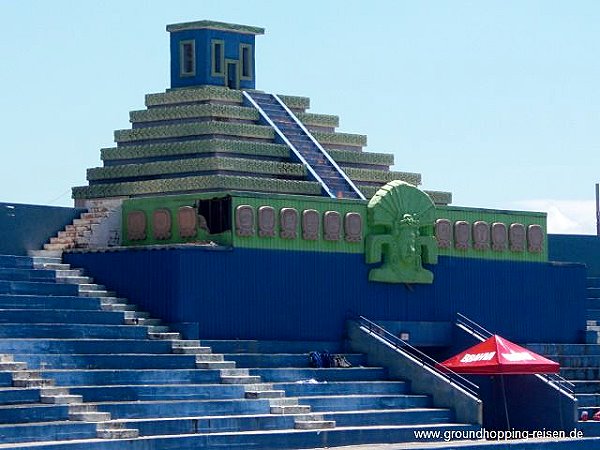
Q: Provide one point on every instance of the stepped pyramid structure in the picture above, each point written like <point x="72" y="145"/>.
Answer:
<point x="212" y="131"/>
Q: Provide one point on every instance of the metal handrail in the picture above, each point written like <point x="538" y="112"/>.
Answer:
<point x="477" y="329"/>
<point x="482" y="334"/>
<point x="422" y="358"/>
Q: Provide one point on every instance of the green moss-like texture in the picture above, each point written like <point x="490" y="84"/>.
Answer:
<point x="207" y="137"/>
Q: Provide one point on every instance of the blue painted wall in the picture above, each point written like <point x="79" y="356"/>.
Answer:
<point x="265" y="294"/>
<point x="203" y="40"/>
<point x="576" y="248"/>
<point x="29" y="227"/>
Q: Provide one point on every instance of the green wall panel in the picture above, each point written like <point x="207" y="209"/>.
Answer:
<point x="149" y="204"/>
<point x="471" y="215"/>
<point x="300" y="203"/>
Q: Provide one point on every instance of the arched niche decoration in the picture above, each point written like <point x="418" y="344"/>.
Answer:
<point x="136" y="225"/>
<point x="187" y="221"/>
<point x="161" y="224"/>
<point x="288" y="223"/>
<point x="310" y="224"/>
<point x="353" y="227"/>
<point x="266" y="221"/>
<point x="332" y="226"/>
<point x="499" y="237"/>
<point x="443" y="233"/>
<point x="244" y="220"/>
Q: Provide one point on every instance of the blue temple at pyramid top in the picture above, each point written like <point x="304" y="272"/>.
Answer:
<point x="212" y="53"/>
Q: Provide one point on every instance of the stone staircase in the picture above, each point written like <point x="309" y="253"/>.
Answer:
<point x="79" y="363"/>
<point x="580" y="363"/>
<point x="78" y="234"/>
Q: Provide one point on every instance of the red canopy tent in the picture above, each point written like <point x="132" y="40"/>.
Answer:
<point x="498" y="356"/>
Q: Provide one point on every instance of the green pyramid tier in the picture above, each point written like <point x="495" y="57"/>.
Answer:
<point x="205" y="138"/>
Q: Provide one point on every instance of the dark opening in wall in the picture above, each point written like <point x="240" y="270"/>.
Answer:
<point x="217" y="212"/>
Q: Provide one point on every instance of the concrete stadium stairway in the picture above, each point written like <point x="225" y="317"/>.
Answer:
<point x="78" y="364"/>
<point x="580" y="363"/>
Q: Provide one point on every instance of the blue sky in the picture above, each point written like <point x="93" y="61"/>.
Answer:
<point x="495" y="101"/>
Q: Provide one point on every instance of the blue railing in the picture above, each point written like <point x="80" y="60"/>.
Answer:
<point x="423" y="359"/>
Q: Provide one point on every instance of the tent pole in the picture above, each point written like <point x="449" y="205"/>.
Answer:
<point x="505" y="402"/>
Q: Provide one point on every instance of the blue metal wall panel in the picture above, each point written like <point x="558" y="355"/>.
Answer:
<point x="29" y="227"/>
<point x="264" y="294"/>
<point x="576" y="248"/>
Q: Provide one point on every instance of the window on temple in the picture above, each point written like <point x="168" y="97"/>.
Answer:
<point x="246" y="61"/>
<point x="187" y="58"/>
<point x="218" y="58"/>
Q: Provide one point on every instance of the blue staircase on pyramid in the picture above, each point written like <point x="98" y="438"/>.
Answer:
<point x="306" y="148"/>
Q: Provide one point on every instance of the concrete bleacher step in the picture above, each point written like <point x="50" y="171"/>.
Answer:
<point x="593" y="292"/>
<point x="113" y="429"/>
<point x="46" y="431"/>
<point x="70" y="330"/>
<point x="12" y="366"/>
<point x="314" y="424"/>
<point x="39" y="288"/>
<point x="238" y="376"/>
<point x="268" y="394"/>
<point x="15" y="395"/>
<point x="218" y="424"/>
<point x="282" y="359"/>
<point x="61" y="399"/>
<point x="141" y="392"/>
<point x="74" y="279"/>
<point x="182" y="408"/>
<point x="270" y="347"/>
<point x="33" y="412"/>
<point x="51" y="316"/>
<point x="14" y="261"/>
<point x="576" y="361"/>
<point x="32" y="382"/>
<point x="9" y="301"/>
<point x="412" y="416"/>
<point x="39" y="264"/>
<point x="368" y="402"/>
<point x="581" y="373"/>
<point x="89" y="377"/>
<point x="315" y="388"/>
<point x="592" y="337"/>
<point x="593" y="282"/>
<point x="586" y="386"/>
<point x="163" y="335"/>
<point x="196" y="350"/>
<point x="290" y="409"/>
<point x="108" y="361"/>
<point x="588" y="400"/>
<point x="320" y="374"/>
<point x="81" y="346"/>
<point x="22" y="274"/>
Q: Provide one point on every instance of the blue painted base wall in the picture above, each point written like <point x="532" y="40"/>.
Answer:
<point x="266" y="294"/>
<point x="29" y="227"/>
<point x="576" y="248"/>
